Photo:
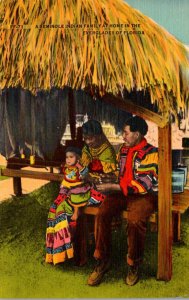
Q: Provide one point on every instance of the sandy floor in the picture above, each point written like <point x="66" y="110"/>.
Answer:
<point x="3" y="161"/>
<point x="28" y="184"/>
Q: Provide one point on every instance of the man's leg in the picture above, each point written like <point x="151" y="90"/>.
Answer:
<point x="80" y="240"/>
<point x="111" y="207"/>
<point x="139" y="210"/>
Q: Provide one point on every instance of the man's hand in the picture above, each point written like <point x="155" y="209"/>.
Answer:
<point x="91" y="179"/>
<point x="101" y="178"/>
<point x="108" y="177"/>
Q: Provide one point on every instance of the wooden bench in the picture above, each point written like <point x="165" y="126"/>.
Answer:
<point x="180" y="201"/>
<point x="180" y="205"/>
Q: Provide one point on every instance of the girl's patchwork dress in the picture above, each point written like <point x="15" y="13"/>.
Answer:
<point x="73" y="192"/>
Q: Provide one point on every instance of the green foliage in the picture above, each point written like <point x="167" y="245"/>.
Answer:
<point x="25" y="275"/>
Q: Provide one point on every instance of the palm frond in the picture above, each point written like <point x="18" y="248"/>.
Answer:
<point x="37" y="58"/>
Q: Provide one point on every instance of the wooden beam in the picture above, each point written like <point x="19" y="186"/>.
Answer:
<point x="165" y="205"/>
<point x="32" y="174"/>
<point x="127" y="105"/>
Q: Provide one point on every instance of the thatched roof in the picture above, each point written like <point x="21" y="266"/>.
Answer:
<point x="35" y="57"/>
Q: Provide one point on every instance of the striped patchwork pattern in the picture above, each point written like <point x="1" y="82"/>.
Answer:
<point x="58" y="238"/>
<point x="145" y="169"/>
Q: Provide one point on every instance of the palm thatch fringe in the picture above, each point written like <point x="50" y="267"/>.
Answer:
<point x="35" y="57"/>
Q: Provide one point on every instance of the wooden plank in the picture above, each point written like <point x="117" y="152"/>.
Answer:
<point x="127" y="105"/>
<point x="181" y="202"/>
<point x="32" y="174"/>
<point x="165" y="205"/>
<point x="90" y="210"/>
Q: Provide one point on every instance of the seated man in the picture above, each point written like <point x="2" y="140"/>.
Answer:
<point x="135" y="192"/>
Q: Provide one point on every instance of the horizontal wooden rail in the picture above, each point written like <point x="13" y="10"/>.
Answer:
<point x="32" y="174"/>
<point x="129" y="106"/>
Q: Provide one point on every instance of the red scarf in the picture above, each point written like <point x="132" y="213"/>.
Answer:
<point x="125" y="180"/>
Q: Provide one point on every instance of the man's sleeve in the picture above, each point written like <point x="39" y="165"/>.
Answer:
<point x="146" y="175"/>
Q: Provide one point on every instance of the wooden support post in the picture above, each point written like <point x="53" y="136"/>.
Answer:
<point x="32" y="174"/>
<point x="129" y="106"/>
<point x="17" y="186"/>
<point x="165" y="205"/>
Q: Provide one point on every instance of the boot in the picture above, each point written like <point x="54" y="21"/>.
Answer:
<point x="97" y="275"/>
<point x="132" y="275"/>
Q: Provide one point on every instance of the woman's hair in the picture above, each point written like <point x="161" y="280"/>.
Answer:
<point x="137" y="124"/>
<point x="75" y="150"/>
<point x="92" y="127"/>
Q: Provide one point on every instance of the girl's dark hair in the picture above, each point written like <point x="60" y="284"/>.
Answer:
<point x="74" y="150"/>
<point x="92" y="127"/>
<point x="137" y="124"/>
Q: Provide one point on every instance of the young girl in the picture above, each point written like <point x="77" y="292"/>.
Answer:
<point x="74" y="193"/>
<point x="79" y="193"/>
